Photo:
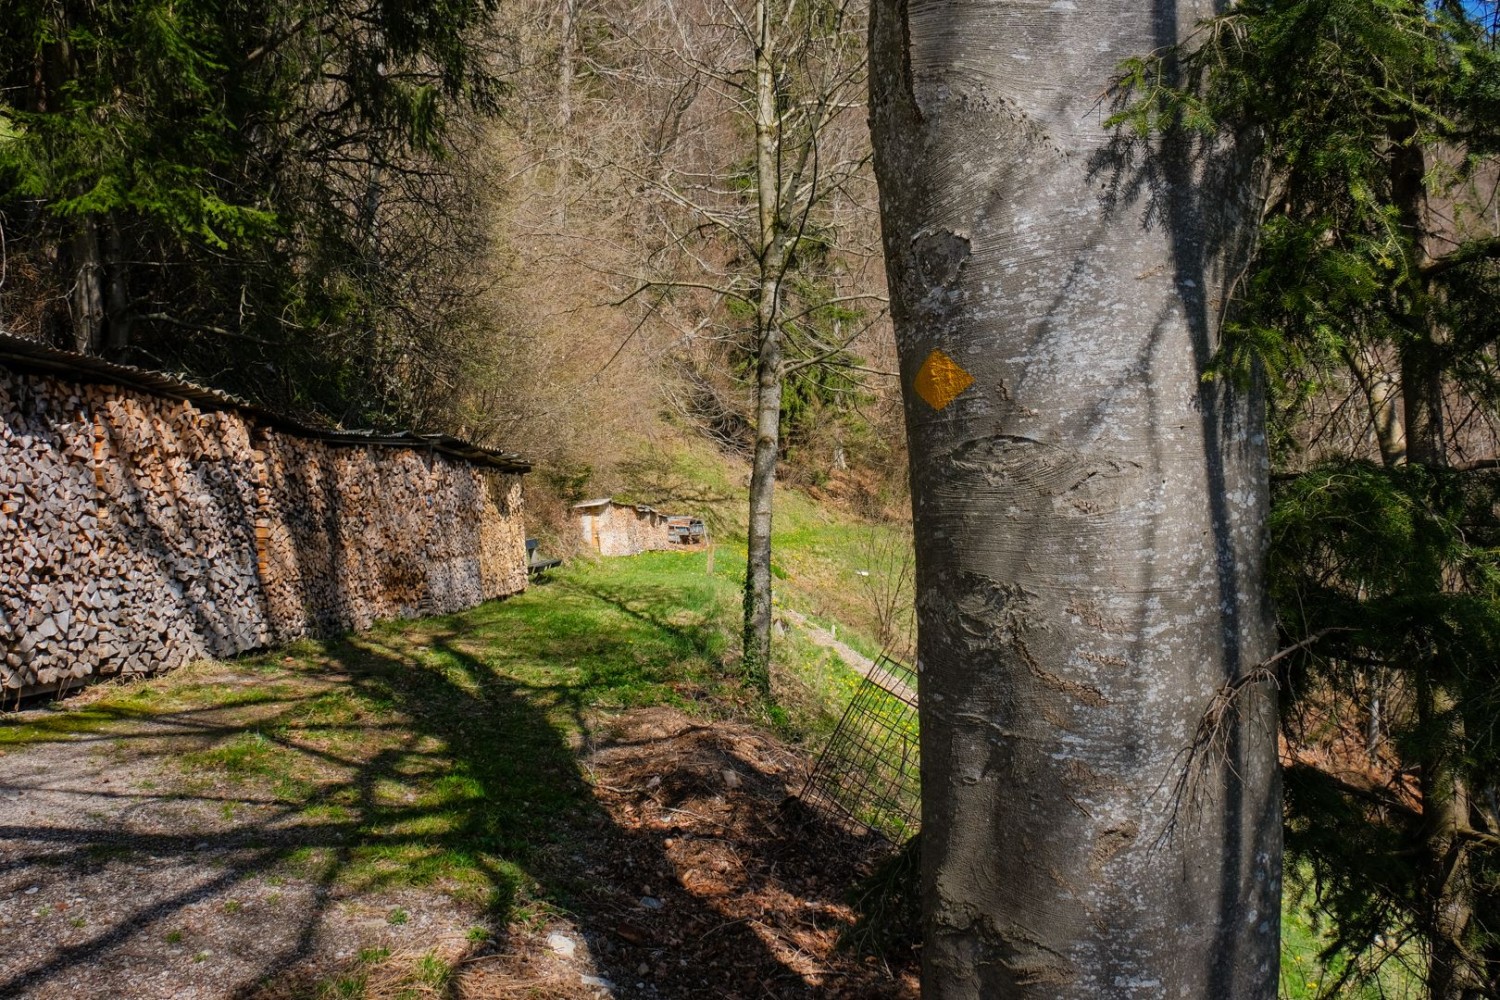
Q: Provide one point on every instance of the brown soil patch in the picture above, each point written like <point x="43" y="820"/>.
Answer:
<point x="711" y="882"/>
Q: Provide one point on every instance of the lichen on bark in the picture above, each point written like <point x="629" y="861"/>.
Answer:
<point x="1089" y="514"/>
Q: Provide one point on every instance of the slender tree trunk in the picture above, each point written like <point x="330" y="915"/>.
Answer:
<point x="757" y="642"/>
<point x="1422" y="402"/>
<point x="564" y="110"/>
<point x="1421" y="372"/>
<point x="81" y="268"/>
<point x="565" y="69"/>
<point x="118" y="319"/>
<point x="1453" y="973"/>
<point x="1448" y="889"/>
<point x="87" y="297"/>
<point x="1375" y="690"/>
<point x="1101" y="811"/>
<point x="1382" y="397"/>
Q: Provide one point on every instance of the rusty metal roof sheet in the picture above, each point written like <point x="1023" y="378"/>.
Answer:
<point x="21" y="354"/>
<point x="612" y="502"/>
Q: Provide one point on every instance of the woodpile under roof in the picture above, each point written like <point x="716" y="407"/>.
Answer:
<point x="146" y="522"/>
<point x="21" y="354"/>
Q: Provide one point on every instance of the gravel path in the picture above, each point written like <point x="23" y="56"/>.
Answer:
<point x="822" y="637"/>
<point x="854" y="658"/>
<point x="123" y="877"/>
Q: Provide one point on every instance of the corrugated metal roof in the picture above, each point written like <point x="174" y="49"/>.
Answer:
<point x="639" y="507"/>
<point x="29" y="355"/>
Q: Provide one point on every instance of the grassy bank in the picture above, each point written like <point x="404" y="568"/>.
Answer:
<point x="828" y="562"/>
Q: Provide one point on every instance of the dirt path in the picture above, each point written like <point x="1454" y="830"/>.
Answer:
<point x="254" y="832"/>
<point x="819" y="635"/>
<point x="124" y="874"/>
<point x="854" y="658"/>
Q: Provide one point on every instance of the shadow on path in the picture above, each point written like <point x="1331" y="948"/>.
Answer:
<point x="285" y="821"/>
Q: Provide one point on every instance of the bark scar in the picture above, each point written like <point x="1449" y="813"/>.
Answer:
<point x="1021" y="952"/>
<point x="1086" y="693"/>
<point x="1090" y="614"/>
<point x="941" y="257"/>
<point x="1111" y="842"/>
<point x="994" y="615"/>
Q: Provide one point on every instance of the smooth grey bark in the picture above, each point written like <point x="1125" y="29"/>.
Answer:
<point x="1101" y="803"/>
<point x="757" y="638"/>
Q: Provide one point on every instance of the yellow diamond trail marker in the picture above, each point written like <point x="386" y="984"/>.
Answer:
<point x="940" y="380"/>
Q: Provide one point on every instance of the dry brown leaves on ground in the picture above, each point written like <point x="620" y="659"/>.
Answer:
<point x="711" y="881"/>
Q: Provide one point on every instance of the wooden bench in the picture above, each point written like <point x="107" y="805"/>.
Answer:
<point x="535" y="564"/>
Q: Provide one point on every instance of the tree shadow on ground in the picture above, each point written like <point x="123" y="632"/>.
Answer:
<point x="388" y="767"/>
<point x="659" y="608"/>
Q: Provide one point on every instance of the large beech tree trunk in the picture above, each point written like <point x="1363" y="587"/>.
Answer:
<point x="1101" y="809"/>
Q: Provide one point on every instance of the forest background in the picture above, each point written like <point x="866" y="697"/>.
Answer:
<point x="541" y="225"/>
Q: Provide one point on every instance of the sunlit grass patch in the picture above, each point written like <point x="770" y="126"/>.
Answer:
<point x="433" y="973"/>
<point x="246" y="753"/>
<point x="1309" y="971"/>
<point x="65" y="724"/>
<point x="380" y="973"/>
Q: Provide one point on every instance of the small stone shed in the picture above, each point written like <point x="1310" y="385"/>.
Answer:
<point x="612" y="528"/>
<point x="146" y="522"/>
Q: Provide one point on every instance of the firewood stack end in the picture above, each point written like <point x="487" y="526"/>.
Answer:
<point x="139" y="532"/>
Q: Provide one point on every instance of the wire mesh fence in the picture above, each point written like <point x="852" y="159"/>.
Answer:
<point x="868" y="772"/>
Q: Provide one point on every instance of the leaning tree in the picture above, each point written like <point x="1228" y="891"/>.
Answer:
<point x="1101" y="812"/>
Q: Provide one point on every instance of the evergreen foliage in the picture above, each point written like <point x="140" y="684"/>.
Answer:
<point x="1364" y="112"/>
<point x="1374" y="288"/>
<point x="1396" y="570"/>
<point x="245" y="190"/>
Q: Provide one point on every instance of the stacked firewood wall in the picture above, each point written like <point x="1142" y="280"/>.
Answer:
<point x="138" y="533"/>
